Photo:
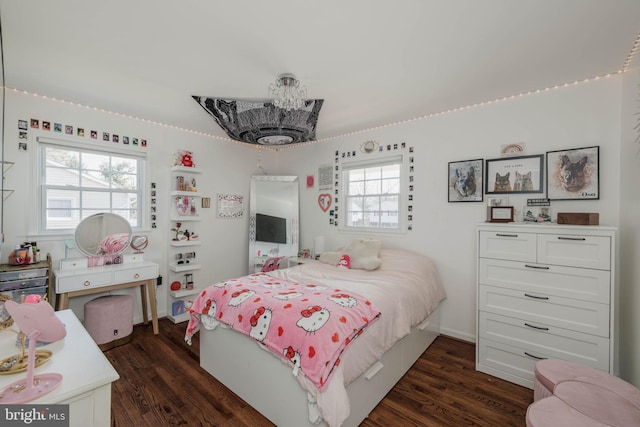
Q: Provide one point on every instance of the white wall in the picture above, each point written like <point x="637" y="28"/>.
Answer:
<point x="226" y="168"/>
<point x="579" y="115"/>
<point x="630" y="229"/>
<point x="576" y="116"/>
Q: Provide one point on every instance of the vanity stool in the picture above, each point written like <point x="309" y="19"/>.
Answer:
<point x="569" y="394"/>
<point x="109" y="320"/>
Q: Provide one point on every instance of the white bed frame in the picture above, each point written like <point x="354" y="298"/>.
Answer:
<point x="268" y="385"/>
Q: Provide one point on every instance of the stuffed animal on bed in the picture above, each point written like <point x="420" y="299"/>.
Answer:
<point x="363" y="254"/>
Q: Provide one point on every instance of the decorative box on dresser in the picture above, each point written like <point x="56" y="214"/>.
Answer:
<point x="545" y="291"/>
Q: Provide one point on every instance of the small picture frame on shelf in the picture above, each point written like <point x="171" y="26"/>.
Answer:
<point x="177" y="308"/>
<point x="500" y="214"/>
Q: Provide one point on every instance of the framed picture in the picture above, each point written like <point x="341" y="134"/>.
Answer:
<point x="500" y="213"/>
<point x="573" y="174"/>
<point x="465" y="181"/>
<point x="521" y="175"/>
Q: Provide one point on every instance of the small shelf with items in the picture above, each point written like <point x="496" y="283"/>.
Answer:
<point x="182" y="255"/>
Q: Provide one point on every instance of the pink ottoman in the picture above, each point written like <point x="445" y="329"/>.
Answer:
<point x="567" y="394"/>
<point x="550" y="372"/>
<point x="109" y="320"/>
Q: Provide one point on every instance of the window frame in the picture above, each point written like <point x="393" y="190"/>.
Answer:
<point x="42" y="213"/>
<point x="346" y="167"/>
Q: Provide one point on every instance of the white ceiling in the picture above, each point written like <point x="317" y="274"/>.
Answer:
<point x="372" y="61"/>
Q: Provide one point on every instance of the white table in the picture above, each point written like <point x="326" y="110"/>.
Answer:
<point x="85" y="281"/>
<point x="86" y="373"/>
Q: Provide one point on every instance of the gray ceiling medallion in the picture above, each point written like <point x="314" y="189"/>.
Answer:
<point x="261" y="122"/>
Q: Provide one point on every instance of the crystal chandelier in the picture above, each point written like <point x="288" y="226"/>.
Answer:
<point x="287" y="93"/>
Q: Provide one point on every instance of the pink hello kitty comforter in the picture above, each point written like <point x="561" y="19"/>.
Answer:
<point x="308" y="325"/>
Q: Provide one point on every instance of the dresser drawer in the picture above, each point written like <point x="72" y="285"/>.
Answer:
<point x="578" y="283"/>
<point x="23" y="274"/>
<point x="134" y="274"/>
<point x="18" y="295"/>
<point x="538" y="338"/>
<point x="22" y="284"/>
<point x="581" y="316"/>
<point x="516" y="362"/>
<point x="76" y="283"/>
<point x="575" y="251"/>
<point x="514" y="246"/>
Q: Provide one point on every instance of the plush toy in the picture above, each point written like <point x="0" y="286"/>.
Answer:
<point x="345" y="261"/>
<point x="187" y="160"/>
<point x="363" y="254"/>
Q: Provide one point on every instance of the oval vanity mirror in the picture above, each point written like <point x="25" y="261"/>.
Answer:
<point x="103" y="234"/>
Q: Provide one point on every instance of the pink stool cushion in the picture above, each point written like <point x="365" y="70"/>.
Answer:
<point x="553" y="412"/>
<point x="549" y="373"/>
<point x="107" y="314"/>
<point x="599" y="402"/>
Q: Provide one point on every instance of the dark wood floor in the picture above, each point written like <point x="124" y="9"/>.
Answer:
<point x="162" y="384"/>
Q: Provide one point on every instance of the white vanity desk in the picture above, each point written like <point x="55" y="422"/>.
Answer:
<point x="86" y="373"/>
<point x="74" y="282"/>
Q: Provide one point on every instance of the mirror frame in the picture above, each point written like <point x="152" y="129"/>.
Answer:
<point x="107" y="223"/>
<point x="255" y="179"/>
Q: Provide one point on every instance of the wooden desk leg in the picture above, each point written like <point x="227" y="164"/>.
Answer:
<point x="143" y="300"/>
<point x="154" y="309"/>
<point x="63" y="301"/>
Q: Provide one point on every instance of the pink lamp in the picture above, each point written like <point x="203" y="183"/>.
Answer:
<point x="36" y="321"/>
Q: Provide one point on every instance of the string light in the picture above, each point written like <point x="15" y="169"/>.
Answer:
<point x="624" y="68"/>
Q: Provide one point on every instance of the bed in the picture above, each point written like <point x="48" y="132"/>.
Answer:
<point x="406" y="289"/>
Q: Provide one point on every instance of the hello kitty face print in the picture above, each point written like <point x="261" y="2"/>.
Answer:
<point x="292" y="355"/>
<point x="313" y="318"/>
<point x="260" y="322"/>
<point x="283" y="296"/>
<point x="314" y="287"/>
<point x="343" y="300"/>
<point x="272" y="284"/>
<point x="239" y="297"/>
<point x="209" y="321"/>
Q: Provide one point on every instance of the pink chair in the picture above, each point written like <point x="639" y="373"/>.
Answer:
<point x="271" y="264"/>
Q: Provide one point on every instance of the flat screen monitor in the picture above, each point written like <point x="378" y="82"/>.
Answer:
<point x="271" y="229"/>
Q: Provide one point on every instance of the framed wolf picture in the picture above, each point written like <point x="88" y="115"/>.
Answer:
<point x="573" y="174"/>
<point x="465" y="181"/>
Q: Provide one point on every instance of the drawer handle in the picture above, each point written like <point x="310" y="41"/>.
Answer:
<point x="535" y="357"/>
<point x="136" y="276"/>
<point x="87" y="283"/>
<point x="536" y="297"/>
<point x="572" y="238"/>
<point x="539" y="267"/>
<point x="506" y="235"/>
<point x="536" y="327"/>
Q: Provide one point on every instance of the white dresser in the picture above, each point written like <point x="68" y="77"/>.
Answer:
<point x="545" y="291"/>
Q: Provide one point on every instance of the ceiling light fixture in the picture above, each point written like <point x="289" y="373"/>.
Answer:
<point x="287" y="93"/>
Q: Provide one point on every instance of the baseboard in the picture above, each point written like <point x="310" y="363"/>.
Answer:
<point x="458" y="334"/>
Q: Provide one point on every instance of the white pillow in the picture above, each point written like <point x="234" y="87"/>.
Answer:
<point x="364" y="254"/>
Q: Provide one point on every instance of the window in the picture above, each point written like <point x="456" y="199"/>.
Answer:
<point x="76" y="183"/>
<point x="372" y="195"/>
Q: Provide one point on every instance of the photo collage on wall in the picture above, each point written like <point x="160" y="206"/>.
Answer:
<point x="328" y="201"/>
<point x="72" y="130"/>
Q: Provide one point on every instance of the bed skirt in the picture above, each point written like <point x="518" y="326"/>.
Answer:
<point x="268" y="385"/>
